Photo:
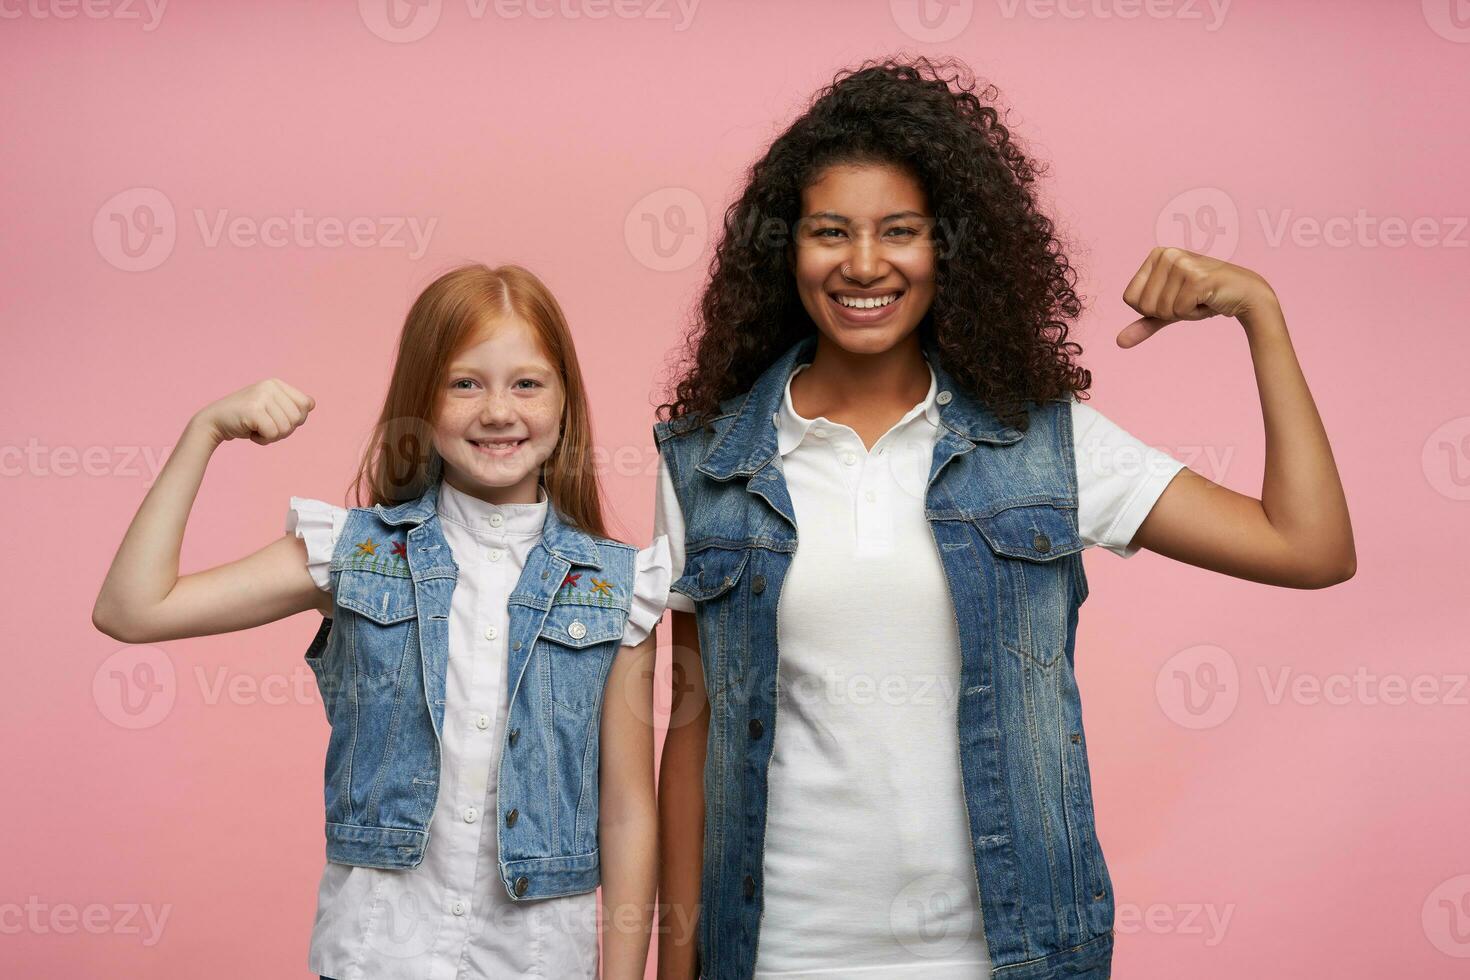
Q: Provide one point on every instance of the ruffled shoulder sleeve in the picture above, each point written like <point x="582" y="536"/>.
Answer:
<point x="650" y="591"/>
<point x="318" y="524"/>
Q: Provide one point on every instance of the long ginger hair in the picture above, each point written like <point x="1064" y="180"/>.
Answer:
<point x="400" y="462"/>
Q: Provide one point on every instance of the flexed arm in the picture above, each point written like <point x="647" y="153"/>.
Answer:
<point x="1298" y="533"/>
<point x="144" y="600"/>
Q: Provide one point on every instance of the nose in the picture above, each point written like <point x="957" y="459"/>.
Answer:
<point x="865" y="262"/>
<point x="495" y="409"/>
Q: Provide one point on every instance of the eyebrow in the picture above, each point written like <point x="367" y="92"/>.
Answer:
<point x="457" y="368"/>
<point x="844" y="219"/>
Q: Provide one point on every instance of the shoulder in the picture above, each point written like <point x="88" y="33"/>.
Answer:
<point x="612" y="546"/>
<point x="689" y="428"/>
<point x="683" y="442"/>
<point x="617" y="558"/>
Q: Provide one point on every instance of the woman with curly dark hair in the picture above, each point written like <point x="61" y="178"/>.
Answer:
<point x="877" y="480"/>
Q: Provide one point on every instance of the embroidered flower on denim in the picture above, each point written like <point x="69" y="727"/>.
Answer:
<point x="599" y="592"/>
<point x="366" y="556"/>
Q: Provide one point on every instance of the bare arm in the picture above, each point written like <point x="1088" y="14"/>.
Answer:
<point x="1298" y="534"/>
<point x="681" y="807"/>
<point x="627" y="814"/>
<point x="144" y="600"/>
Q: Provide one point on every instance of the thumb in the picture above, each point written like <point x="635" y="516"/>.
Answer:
<point x="1140" y="330"/>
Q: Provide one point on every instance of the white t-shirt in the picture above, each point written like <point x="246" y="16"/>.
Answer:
<point x="450" y="916"/>
<point x="868" y="869"/>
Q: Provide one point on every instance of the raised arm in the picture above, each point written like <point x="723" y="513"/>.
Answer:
<point x="143" y="599"/>
<point x="681" y="807"/>
<point x="1298" y="533"/>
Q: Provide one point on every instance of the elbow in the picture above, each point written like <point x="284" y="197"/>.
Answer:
<point x="110" y="622"/>
<point x="635" y="817"/>
<point x="1327" y="574"/>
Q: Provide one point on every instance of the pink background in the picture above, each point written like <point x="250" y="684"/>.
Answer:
<point x="1250" y="831"/>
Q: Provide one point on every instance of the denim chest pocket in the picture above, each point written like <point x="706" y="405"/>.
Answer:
<point x="711" y="572"/>
<point x="712" y="579"/>
<point x="384" y="618"/>
<point x="1033" y="547"/>
<point x="578" y="642"/>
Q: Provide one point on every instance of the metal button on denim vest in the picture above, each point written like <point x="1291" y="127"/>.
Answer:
<point x="380" y="662"/>
<point x="1002" y="506"/>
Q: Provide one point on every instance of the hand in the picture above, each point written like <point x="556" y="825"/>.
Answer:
<point x="1177" y="284"/>
<point x="266" y="412"/>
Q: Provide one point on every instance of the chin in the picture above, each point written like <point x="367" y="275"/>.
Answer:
<point x="857" y="340"/>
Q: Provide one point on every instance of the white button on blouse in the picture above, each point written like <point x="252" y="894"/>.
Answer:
<point x="451" y="917"/>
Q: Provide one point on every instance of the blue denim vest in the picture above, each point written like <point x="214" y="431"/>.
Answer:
<point x="380" y="661"/>
<point x="1002" y="506"/>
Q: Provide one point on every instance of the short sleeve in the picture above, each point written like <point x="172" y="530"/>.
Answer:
<point x="650" y="591"/>
<point x="1119" y="478"/>
<point x="668" y="521"/>
<point x="318" y="524"/>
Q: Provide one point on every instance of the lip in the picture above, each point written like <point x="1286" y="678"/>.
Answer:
<point x="497" y="451"/>
<point x="866" y="317"/>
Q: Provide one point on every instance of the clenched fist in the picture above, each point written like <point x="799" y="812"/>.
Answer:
<point x="1177" y="284"/>
<point x="265" y="412"/>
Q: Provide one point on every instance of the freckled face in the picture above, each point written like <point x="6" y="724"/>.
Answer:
<point x="499" y="413"/>
<point x="864" y="256"/>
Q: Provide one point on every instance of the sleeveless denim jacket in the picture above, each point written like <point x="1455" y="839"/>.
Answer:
<point x="1002" y="506"/>
<point x="380" y="661"/>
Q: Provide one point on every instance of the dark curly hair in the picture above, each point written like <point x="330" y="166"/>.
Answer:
<point x="1004" y="289"/>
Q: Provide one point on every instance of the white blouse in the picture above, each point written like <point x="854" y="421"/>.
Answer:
<point x="450" y="917"/>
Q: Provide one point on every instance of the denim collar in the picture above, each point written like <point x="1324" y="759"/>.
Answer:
<point x="749" y="442"/>
<point x="558" y="535"/>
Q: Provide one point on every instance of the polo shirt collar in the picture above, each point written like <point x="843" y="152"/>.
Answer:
<point x="792" y="428"/>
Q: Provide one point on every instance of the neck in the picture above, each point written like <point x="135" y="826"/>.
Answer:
<point x="843" y="383"/>
<point x="526" y="491"/>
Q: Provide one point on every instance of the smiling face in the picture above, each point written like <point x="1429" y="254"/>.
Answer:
<point x="864" y="256"/>
<point x="499" y="413"/>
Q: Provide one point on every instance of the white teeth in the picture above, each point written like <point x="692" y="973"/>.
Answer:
<point x="867" y="302"/>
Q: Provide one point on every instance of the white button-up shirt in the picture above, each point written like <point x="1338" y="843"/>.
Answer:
<point x="868" y="870"/>
<point x="450" y="917"/>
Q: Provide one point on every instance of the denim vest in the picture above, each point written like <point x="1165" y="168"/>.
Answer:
<point x="380" y="661"/>
<point x="1002" y="506"/>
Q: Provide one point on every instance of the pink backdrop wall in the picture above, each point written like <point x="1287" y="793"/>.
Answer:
<point x="1280" y="775"/>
